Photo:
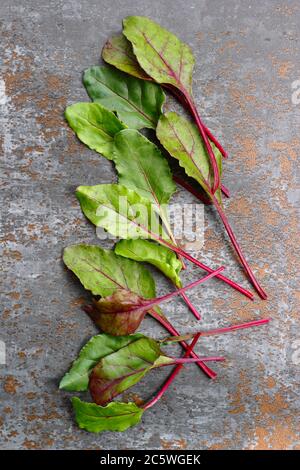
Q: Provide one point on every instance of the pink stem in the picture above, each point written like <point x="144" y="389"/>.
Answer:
<point x="202" y="197"/>
<point x="191" y="306"/>
<point x="163" y="298"/>
<point x="172" y="376"/>
<point x="194" y="112"/>
<point x="236" y="327"/>
<point x="189" y="360"/>
<point x="215" y="141"/>
<point x="209" y="372"/>
<point x="225" y="279"/>
<point x="225" y="191"/>
<point x="183" y="101"/>
<point x="238" y="250"/>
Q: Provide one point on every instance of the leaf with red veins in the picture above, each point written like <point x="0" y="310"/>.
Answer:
<point x="119" y="314"/>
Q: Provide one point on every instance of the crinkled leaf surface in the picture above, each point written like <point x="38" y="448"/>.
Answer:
<point x="142" y="167"/>
<point x="120" y="313"/>
<point x="122" y="369"/>
<point x="120" y="211"/>
<point x="77" y="379"/>
<point x="157" y="255"/>
<point x="181" y="139"/>
<point x="94" y="125"/>
<point x="160" y="53"/>
<point x="138" y="103"/>
<point x="115" y="416"/>
<point x="117" y="51"/>
<point x="103" y="272"/>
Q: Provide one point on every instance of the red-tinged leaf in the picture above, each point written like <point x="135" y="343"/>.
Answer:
<point x="119" y="314"/>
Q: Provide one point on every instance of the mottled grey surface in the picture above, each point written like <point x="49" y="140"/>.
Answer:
<point x="247" y="56"/>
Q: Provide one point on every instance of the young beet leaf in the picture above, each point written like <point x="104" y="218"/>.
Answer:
<point x="112" y="417"/>
<point x="169" y="61"/>
<point x="94" y="125"/>
<point x="159" y="256"/>
<point x="101" y="205"/>
<point x="104" y="273"/>
<point x="182" y="141"/>
<point x="117" y="416"/>
<point x="142" y="167"/>
<point x="122" y="312"/>
<point x="77" y="379"/>
<point x="93" y="417"/>
<point x="138" y="103"/>
<point x="122" y="363"/>
<point x="117" y="51"/>
<point x="124" y="368"/>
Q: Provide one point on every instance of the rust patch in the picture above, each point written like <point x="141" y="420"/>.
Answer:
<point x="14" y="295"/>
<point x="11" y="385"/>
<point x="175" y="444"/>
<point x="14" y="254"/>
<point x="7" y="409"/>
<point x="30" y="444"/>
<point x="277" y="435"/>
<point x="247" y="152"/>
<point x="45" y="417"/>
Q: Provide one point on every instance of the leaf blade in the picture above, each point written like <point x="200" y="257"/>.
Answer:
<point x="115" y="416"/>
<point x="181" y="139"/>
<point x="138" y="103"/>
<point x="77" y="378"/>
<point x="103" y="272"/>
<point x="122" y="369"/>
<point x="118" y="52"/>
<point x="120" y="210"/>
<point x="159" y="256"/>
<point x="120" y="313"/>
<point x="142" y="167"/>
<point x="160" y="53"/>
<point x="95" y="126"/>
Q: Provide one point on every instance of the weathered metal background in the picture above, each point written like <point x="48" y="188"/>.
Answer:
<point x="247" y="60"/>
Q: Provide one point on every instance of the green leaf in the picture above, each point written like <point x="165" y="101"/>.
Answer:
<point x="160" y="53"/>
<point x="103" y="272"/>
<point x="124" y="368"/>
<point x="142" y="167"/>
<point x="117" y="51"/>
<point x="138" y="103"/>
<point x="120" y="211"/>
<point x="112" y="417"/>
<point x="157" y="255"/>
<point x="94" y="125"/>
<point x="181" y="139"/>
<point x="77" y="379"/>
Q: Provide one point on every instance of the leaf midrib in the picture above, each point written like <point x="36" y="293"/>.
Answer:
<point x="128" y="101"/>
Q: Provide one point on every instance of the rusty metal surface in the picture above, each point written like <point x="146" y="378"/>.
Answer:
<point x="247" y="56"/>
